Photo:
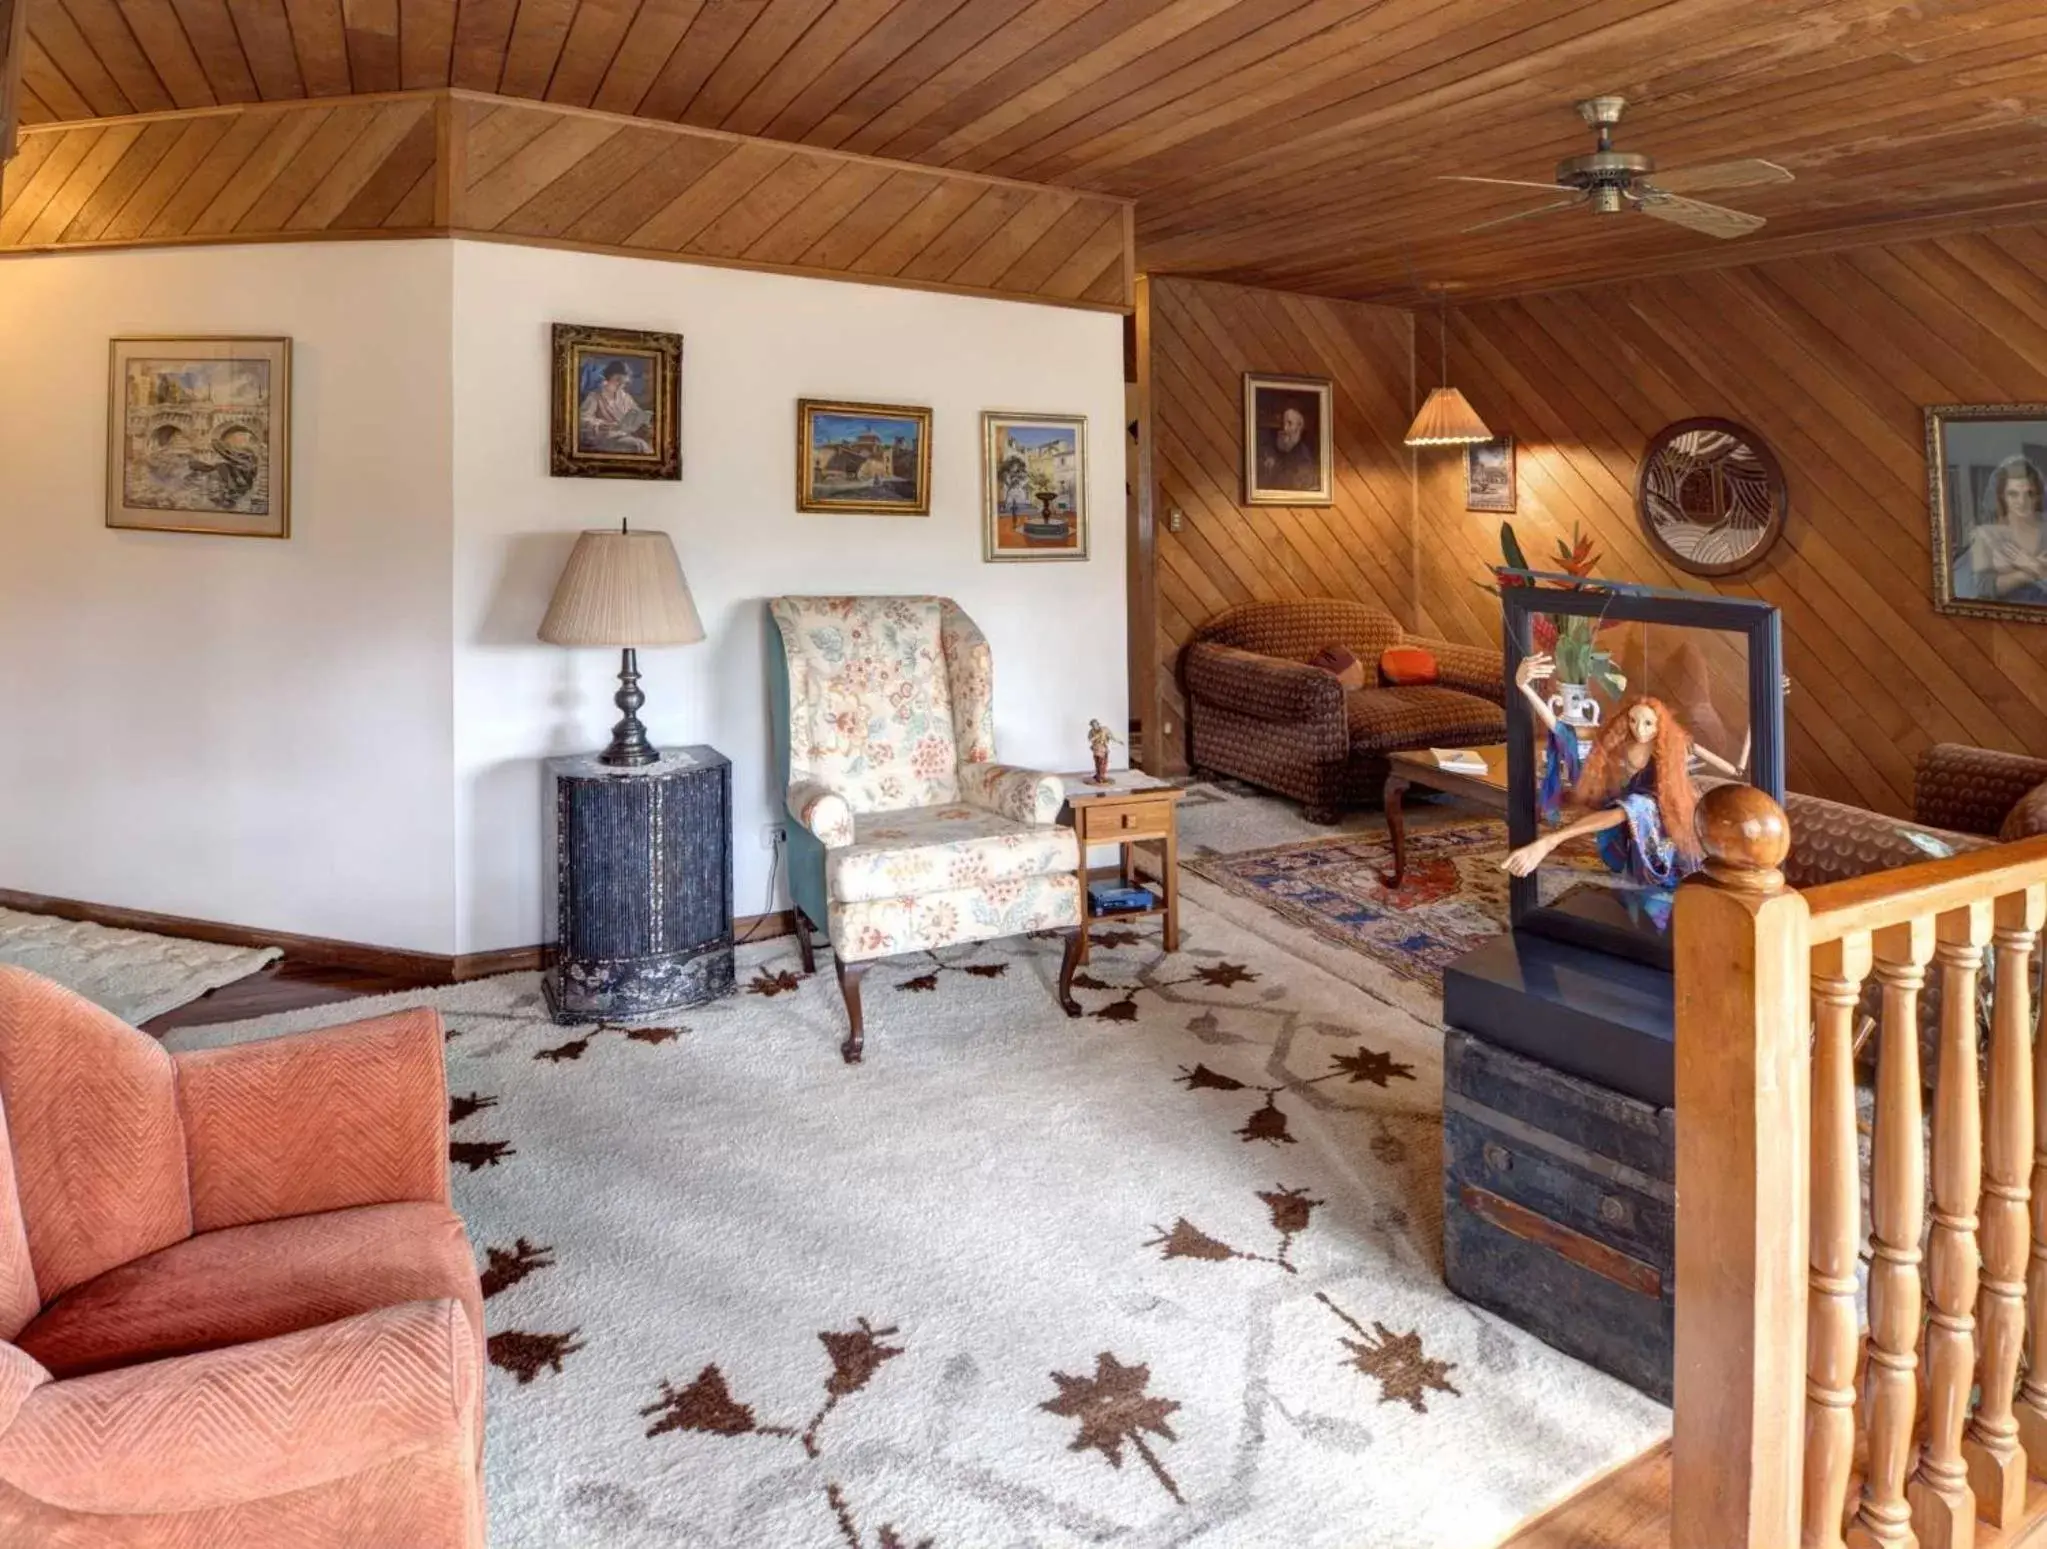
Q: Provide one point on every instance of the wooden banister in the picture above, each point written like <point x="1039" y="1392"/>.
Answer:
<point x="1742" y="1184"/>
<point x="1906" y="893"/>
<point x="1783" y="1397"/>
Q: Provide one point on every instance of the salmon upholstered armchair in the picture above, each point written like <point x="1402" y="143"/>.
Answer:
<point x="907" y="835"/>
<point x="236" y="1308"/>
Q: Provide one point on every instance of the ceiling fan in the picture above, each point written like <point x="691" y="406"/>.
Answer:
<point x="1609" y="182"/>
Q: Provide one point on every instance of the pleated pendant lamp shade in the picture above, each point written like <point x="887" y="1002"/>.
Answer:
<point x="1446" y="419"/>
<point x="622" y="588"/>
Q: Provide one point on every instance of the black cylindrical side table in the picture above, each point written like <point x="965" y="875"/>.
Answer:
<point x="643" y="885"/>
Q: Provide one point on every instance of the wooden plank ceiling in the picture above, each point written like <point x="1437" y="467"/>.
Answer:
<point x="428" y="162"/>
<point x="1287" y="143"/>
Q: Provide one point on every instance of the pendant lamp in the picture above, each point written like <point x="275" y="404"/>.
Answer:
<point x="1446" y="419"/>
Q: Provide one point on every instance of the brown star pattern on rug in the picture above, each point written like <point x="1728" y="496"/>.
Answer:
<point x="637" y="1032"/>
<point x="707" y="1405"/>
<point x="526" y="1355"/>
<point x="506" y="1267"/>
<point x="778" y="983"/>
<point x="927" y="981"/>
<point x="1290" y="1210"/>
<point x="1113" y="1407"/>
<point x="460" y="1108"/>
<point x="1269" y="1122"/>
<point x="1404" y="1372"/>
<point x="478" y="1154"/>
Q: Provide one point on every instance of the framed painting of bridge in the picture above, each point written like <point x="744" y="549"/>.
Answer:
<point x="199" y="436"/>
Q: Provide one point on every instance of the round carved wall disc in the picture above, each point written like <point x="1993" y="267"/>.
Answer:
<point x="1711" y="496"/>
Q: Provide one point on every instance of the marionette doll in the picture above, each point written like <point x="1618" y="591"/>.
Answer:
<point x="1632" y="792"/>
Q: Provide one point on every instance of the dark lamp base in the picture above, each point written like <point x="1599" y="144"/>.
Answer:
<point x="629" y="745"/>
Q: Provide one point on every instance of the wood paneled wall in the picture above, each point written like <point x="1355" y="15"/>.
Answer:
<point x="1831" y="358"/>
<point x="1196" y="341"/>
<point x="427" y="163"/>
<point x="13" y="32"/>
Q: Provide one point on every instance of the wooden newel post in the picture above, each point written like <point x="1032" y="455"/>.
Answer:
<point x="1743" y="1192"/>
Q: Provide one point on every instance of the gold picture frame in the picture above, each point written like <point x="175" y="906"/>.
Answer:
<point x="617" y="404"/>
<point x="868" y="459"/>
<point x="1276" y="471"/>
<point x="1033" y="486"/>
<point x="1979" y="460"/>
<point x="199" y="434"/>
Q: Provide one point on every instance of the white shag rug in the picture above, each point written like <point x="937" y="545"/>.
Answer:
<point x="1166" y="1275"/>
<point x="134" y="974"/>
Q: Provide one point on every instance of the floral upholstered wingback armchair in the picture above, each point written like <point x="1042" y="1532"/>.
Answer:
<point x="906" y="835"/>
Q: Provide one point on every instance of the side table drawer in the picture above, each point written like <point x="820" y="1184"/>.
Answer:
<point x="1109" y="821"/>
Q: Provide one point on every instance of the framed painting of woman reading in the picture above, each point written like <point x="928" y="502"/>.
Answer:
<point x="1986" y="477"/>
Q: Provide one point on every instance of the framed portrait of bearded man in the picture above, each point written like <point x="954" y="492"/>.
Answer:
<point x="1986" y="484"/>
<point x="1288" y="430"/>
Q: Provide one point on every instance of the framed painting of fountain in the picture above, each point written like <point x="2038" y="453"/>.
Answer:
<point x="1034" y="486"/>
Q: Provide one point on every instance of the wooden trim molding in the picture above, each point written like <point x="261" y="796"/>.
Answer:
<point x="457" y="163"/>
<point x="13" y="44"/>
<point x="329" y="952"/>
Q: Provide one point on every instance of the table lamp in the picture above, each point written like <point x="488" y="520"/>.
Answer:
<point x="625" y="589"/>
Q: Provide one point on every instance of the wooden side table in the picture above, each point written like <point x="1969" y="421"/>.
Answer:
<point x="1131" y="808"/>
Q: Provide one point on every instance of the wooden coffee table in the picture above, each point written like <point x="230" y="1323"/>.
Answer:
<point x="1418" y="767"/>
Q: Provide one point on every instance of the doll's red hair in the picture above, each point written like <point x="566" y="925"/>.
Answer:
<point x="1605" y="774"/>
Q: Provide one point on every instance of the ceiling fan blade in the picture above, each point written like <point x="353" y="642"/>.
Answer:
<point x="1695" y="215"/>
<point x="1522" y="215"/>
<point x="1721" y="174"/>
<point x="1504" y="182"/>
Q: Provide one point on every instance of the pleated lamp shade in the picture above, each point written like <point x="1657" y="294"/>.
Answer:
<point x="622" y="588"/>
<point x="1447" y="420"/>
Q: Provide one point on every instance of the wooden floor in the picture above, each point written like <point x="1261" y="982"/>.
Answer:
<point x="284" y="985"/>
<point x="1628" y="1509"/>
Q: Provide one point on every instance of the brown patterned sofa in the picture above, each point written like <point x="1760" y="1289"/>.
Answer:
<point x="1961" y="796"/>
<point x="1257" y="711"/>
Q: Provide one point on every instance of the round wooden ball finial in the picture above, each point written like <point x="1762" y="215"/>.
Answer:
<point x="1744" y="836"/>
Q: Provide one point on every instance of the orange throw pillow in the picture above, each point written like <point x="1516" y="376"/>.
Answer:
<point x="1405" y="666"/>
<point x="1340" y="664"/>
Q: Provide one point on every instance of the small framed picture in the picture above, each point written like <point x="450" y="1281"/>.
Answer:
<point x="867" y="458"/>
<point x="1986" y="488"/>
<point x="1287" y="429"/>
<point x="617" y="404"/>
<point x="1489" y="475"/>
<point x="1033" y="486"/>
<point x="199" y="435"/>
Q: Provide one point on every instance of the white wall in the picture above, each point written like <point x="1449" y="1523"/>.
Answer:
<point x="753" y="344"/>
<point x="343" y="734"/>
<point x="234" y="729"/>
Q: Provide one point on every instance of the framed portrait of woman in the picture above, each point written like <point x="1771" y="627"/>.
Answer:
<point x="617" y="396"/>
<point x="1986" y="484"/>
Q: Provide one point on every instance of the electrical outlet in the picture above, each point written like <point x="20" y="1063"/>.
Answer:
<point x="1175" y="519"/>
<point x="774" y="836"/>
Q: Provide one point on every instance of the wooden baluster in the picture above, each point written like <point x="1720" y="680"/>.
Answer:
<point x="1833" y="1334"/>
<point x="1744" y="1191"/>
<point x="1943" y="1505"/>
<point x="1997" y="1463"/>
<point x="1883" y="1519"/>
<point x="2032" y="1406"/>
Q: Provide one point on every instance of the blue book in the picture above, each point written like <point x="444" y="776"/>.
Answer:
<point x="1115" y="898"/>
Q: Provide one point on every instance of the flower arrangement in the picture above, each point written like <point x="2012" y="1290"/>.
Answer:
<point x="1574" y="640"/>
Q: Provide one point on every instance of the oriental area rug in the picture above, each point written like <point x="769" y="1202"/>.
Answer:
<point x="1168" y="1274"/>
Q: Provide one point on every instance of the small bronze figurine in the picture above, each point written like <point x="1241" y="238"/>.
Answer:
<point x="1098" y="739"/>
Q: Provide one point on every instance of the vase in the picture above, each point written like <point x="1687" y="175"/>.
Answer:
<point x="1573" y="705"/>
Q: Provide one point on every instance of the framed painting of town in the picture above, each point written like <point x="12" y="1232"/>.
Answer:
<point x="199" y="436"/>
<point x="1033" y="486"/>
<point x="1986" y="487"/>
<point x="617" y="404"/>
<point x="871" y="458"/>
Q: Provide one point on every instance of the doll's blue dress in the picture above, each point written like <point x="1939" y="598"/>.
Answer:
<point x="1637" y="848"/>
